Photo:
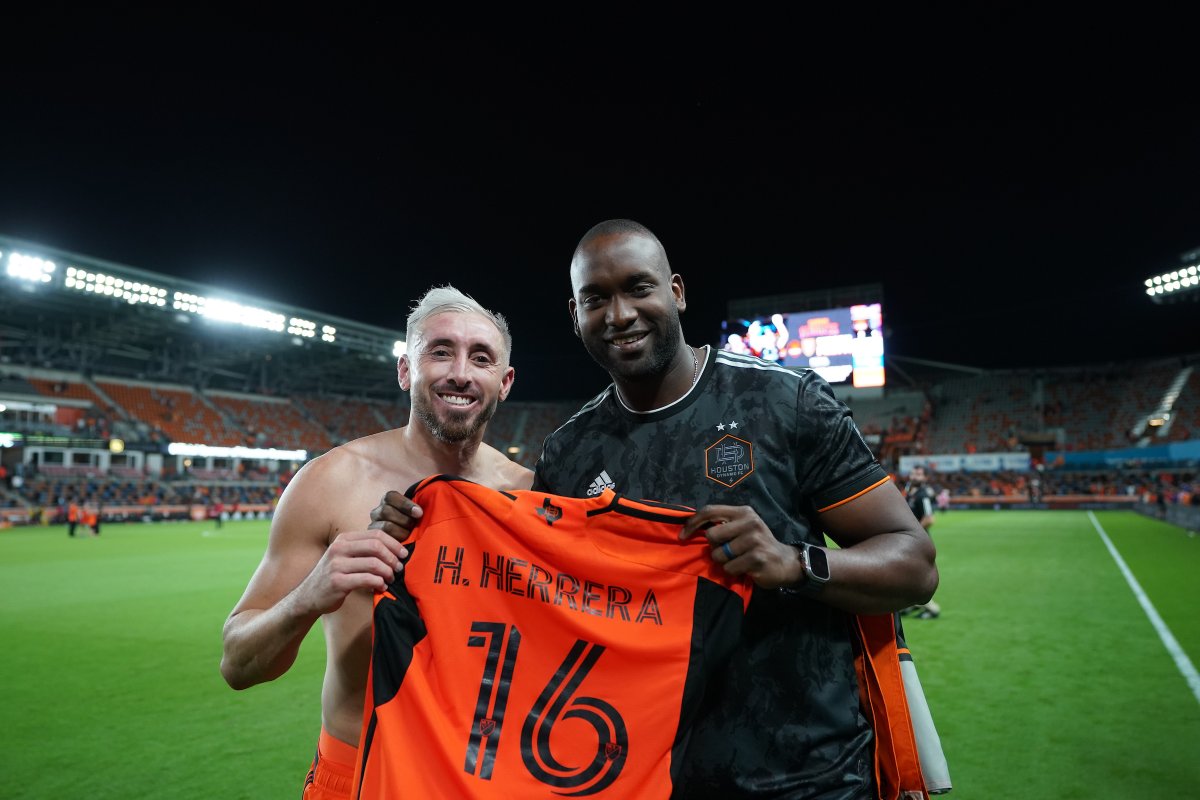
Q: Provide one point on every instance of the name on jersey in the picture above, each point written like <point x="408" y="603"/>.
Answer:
<point x="522" y="578"/>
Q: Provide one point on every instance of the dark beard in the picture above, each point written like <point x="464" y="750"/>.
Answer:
<point x="453" y="431"/>
<point x="667" y="340"/>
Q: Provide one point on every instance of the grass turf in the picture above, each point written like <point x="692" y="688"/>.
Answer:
<point x="1044" y="675"/>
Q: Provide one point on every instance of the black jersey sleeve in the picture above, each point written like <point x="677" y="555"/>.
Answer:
<point x="543" y="479"/>
<point x="833" y="461"/>
<point x="921" y="502"/>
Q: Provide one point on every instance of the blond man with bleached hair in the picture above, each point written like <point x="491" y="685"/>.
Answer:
<point x="323" y="560"/>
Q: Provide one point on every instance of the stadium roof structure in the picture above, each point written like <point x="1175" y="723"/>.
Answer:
<point x="62" y="310"/>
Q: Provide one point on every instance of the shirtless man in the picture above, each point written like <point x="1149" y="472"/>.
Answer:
<point x="323" y="562"/>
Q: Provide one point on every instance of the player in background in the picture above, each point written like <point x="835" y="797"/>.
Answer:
<point x="323" y="563"/>
<point x="922" y="500"/>
<point x="74" y="516"/>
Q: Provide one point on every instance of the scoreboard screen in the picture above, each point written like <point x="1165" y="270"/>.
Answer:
<point x="840" y="344"/>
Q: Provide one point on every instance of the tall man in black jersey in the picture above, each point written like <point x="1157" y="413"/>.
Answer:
<point x="771" y="459"/>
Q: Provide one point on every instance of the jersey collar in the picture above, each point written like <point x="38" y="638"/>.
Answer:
<point x="675" y="406"/>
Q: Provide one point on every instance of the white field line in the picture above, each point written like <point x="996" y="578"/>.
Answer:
<point x="1182" y="661"/>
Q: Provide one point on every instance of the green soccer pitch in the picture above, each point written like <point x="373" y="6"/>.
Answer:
<point x="1044" y="673"/>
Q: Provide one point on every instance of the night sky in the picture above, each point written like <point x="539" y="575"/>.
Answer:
<point x="1010" y="201"/>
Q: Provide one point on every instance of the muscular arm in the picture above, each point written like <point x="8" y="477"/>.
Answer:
<point x="884" y="561"/>
<point x="302" y="576"/>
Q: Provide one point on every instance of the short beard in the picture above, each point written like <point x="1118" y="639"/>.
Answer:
<point x="656" y="362"/>
<point x="452" y="431"/>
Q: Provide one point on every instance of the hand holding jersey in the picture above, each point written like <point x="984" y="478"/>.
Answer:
<point x="744" y="545"/>
<point x="396" y="515"/>
<point x="366" y="560"/>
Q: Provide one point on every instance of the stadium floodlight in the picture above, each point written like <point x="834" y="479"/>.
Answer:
<point x="249" y="316"/>
<point x="302" y="327"/>
<point x="1177" y="284"/>
<point x="399" y="349"/>
<point x="132" y="292"/>
<point x="7" y="440"/>
<point x="229" y="311"/>
<point x="30" y="268"/>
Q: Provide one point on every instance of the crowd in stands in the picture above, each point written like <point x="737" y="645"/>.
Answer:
<point x="1085" y="408"/>
<point x="1172" y="486"/>
<point x="46" y="491"/>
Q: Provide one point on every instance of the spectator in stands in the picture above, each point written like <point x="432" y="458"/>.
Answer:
<point x="921" y="500"/>
<point x="324" y="562"/>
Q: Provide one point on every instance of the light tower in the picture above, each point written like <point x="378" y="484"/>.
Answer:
<point x="1178" y="284"/>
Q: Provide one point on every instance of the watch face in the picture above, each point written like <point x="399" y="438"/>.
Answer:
<point x="818" y="564"/>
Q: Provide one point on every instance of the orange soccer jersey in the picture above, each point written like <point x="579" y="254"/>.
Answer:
<point x="541" y="646"/>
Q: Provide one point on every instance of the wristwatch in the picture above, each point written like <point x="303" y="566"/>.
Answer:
<point x="816" y="567"/>
<point x="816" y="571"/>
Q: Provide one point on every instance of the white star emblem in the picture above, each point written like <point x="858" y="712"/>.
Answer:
<point x="720" y="426"/>
<point x="733" y="424"/>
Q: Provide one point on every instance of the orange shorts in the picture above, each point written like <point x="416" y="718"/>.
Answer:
<point x="331" y="776"/>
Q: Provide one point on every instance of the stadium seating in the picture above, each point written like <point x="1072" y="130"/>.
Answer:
<point x="1098" y="409"/>
<point x="1186" y="413"/>
<point x="16" y="384"/>
<point x="72" y="389"/>
<point x="178" y="413"/>
<point x="273" y="423"/>
<point x="526" y="425"/>
<point x="345" y="418"/>
<point x="1088" y="408"/>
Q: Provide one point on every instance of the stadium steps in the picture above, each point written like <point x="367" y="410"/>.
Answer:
<point x="230" y="423"/>
<point x="113" y="404"/>
<point x="1163" y="410"/>
<point x="308" y="416"/>
<point x="6" y="496"/>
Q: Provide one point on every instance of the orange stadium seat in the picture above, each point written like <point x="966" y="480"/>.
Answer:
<point x="178" y="413"/>
<point x="273" y="423"/>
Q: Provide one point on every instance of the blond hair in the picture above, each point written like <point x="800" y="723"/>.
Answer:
<point x="441" y="299"/>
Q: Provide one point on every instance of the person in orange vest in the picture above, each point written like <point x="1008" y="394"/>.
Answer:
<point x="72" y="517"/>
<point x="91" y="519"/>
